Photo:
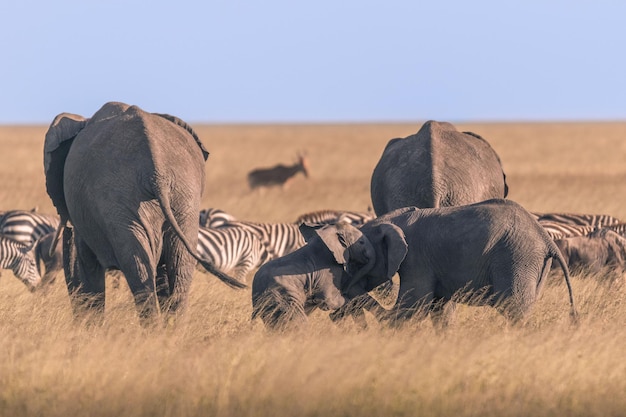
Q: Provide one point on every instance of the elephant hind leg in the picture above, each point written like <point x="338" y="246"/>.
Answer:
<point x="179" y="266"/>
<point x="141" y="278"/>
<point x="84" y="277"/>
<point x="442" y="313"/>
<point x="515" y="304"/>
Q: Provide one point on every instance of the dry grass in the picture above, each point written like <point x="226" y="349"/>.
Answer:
<point x="217" y="363"/>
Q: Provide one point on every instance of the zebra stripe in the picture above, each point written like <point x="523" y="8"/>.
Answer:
<point x="213" y="218"/>
<point x="19" y="258"/>
<point x="279" y="239"/>
<point x="335" y="216"/>
<point x="599" y="220"/>
<point x="27" y="226"/>
<point x="619" y="228"/>
<point x="557" y="230"/>
<point x="235" y="250"/>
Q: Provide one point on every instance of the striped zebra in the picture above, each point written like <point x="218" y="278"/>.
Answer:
<point x="576" y="219"/>
<point x="27" y="226"/>
<point x="232" y="249"/>
<point x="619" y="228"/>
<point x="213" y="218"/>
<point x="20" y="258"/>
<point x="279" y="239"/>
<point x="335" y="216"/>
<point x="558" y="230"/>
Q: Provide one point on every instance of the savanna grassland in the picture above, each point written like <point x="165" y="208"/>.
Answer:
<point x="217" y="363"/>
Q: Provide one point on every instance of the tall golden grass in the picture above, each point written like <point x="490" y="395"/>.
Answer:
<point x="217" y="363"/>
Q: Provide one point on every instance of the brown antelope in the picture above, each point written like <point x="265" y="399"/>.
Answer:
<point x="277" y="175"/>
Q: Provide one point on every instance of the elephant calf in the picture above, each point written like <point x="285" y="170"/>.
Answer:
<point x="287" y="289"/>
<point x="600" y="249"/>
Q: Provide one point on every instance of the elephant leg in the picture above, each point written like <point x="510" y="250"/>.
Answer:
<point x="179" y="266"/>
<point x="415" y="296"/>
<point x="442" y="313"/>
<point x="514" y="296"/>
<point x="84" y="277"/>
<point x="141" y="279"/>
<point x="163" y="289"/>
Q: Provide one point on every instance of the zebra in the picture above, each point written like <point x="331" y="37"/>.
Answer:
<point x="213" y="218"/>
<point x="335" y="216"/>
<point x="558" y="230"/>
<point x="277" y="175"/>
<point x="232" y="249"/>
<point x="599" y="220"/>
<point x="279" y="239"/>
<point x="20" y="258"/>
<point x="619" y="228"/>
<point x="27" y="226"/>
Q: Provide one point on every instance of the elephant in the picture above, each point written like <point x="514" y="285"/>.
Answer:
<point x="287" y="289"/>
<point x="127" y="185"/>
<point x="489" y="253"/>
<point x="436" y="167"/>
<point x="601" y="249"/>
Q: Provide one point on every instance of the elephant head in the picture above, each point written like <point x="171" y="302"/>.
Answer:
<point x="375" y="255"/>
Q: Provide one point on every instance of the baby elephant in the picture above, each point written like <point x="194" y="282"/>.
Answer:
<point x="285" y="290"/>
<point x="600" y="249"/>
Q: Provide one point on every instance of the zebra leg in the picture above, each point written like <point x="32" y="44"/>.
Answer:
<point x="84" y="277"/>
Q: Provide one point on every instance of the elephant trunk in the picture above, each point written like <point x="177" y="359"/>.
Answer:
<point x="357" y="275"/>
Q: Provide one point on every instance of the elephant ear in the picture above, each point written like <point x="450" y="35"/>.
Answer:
<point x="395" y="246"/>
<point x="59" y="138"/>
<point x="338" y="238"/>
<point x="184" y="125"/>
<point x="309" y="230"/>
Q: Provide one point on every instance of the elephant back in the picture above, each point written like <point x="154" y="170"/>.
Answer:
<point x="436" y="167"/>
<point x="58" y="141"/>
<point x="185" y="125"/>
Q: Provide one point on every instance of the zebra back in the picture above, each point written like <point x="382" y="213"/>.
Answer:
<point x="558" y="230"/>
<point x="334" y="216"/>
<point x="578" y="219"/>
<point x="232" y="249"/>
<point x="619" y="228"/>
<point x="20" y="258"/>
<point x="213" y="218"/>
<point x="279" y="239"/>
<point x="27" y="226"/>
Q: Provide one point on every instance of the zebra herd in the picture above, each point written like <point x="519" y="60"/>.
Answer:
<point x="238" y="247"/>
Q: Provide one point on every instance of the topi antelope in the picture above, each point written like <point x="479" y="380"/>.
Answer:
<point x="277" y="175"/>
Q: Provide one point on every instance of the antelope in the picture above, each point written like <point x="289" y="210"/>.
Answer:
<point x="279" y="175"/>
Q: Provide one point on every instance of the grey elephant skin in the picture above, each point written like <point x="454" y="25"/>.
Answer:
<point x="438" y="166"/>
<point x="599" y="250"/>
<point x="286" y="290"/>
<point x="494" y="252"/>
<point x="128" y="184"/>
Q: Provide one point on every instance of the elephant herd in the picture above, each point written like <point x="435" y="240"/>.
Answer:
<point x="127" y="186"/>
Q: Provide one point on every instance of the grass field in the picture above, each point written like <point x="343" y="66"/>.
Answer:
<point x="218" y="363"/>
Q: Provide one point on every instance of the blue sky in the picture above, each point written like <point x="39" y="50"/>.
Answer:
<point x="323" y="61"/>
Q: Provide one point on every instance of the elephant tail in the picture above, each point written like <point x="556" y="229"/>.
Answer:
<point x="555" y="253"/>
<point x="206" y="264"/>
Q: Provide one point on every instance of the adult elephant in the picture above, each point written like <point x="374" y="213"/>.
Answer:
<point x="494" y="250"/>
<point x="128" y="183"/>
<point x="436" y="167"/>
